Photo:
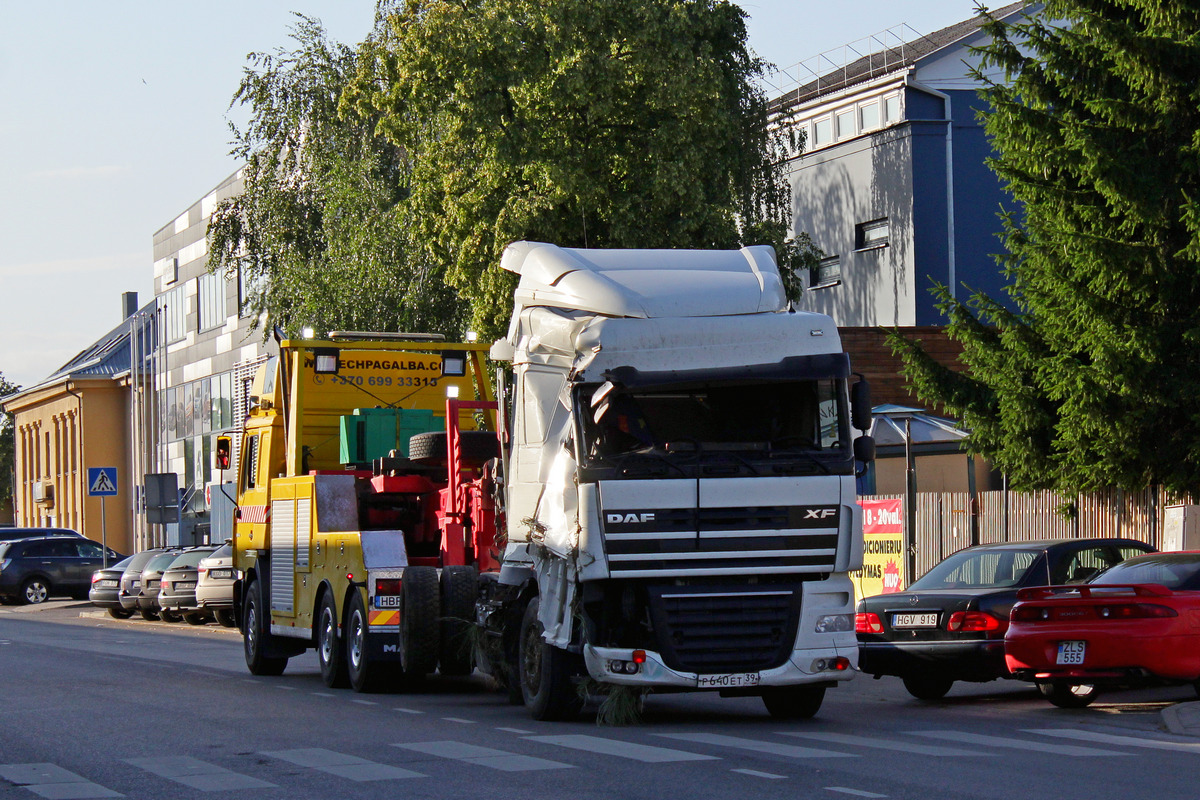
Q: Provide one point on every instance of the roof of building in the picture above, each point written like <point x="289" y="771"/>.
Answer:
<point x="888" y="60"/>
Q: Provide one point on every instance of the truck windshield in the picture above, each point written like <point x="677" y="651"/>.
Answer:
<point x="794" y="426"/>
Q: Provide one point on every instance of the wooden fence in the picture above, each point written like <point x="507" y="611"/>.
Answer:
<point x="945" y="524"/>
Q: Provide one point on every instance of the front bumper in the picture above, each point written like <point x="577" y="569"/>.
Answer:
<point x="796" y="671"/>
<point x="974" y="660"/>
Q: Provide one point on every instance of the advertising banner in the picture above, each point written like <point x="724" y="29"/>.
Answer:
<point x="883" y="549"/>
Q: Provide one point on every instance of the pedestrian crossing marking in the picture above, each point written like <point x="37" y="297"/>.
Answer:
<point x="1109" y="738"/>
<point x="342" y="765"/>
<point x="198" y="774"/>
<point x="53" y="782"/>
<point x="1018" y="744"/>
<point x="612" y="747"/>
<point x="483" y="756"/>
<point x="756" y="745"/>
<point x="887" y="744"/>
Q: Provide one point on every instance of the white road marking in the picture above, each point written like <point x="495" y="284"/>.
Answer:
<point x="407" y="711"/>
<point x="363" y="702"/>
<point x="756" y="745"/>
<point x="1109" y="738"/>
<point x="286" y="688"/>
<point x="460" y="720"/>
<point x="514" y="730"/>
<point x="53" y="782"/>
<point x="483" y="756"/>
<point x="323" y="694"/>
<point x="1018" y="744"/>
<point x="886" y="744"/>
<point x="855" y="792"/>
<point x="342" y="765"/>
<point x="756" y="774"/>
<point x="612" y="747"/>
<point x="198" y="774"/>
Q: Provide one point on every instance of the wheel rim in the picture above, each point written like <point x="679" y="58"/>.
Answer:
<point x="356" y="639"/>
<point x="531" y="661"/>
<point x="327" y="635"/>
<point x="251" y="628"/>
<point x="35" y="592"/>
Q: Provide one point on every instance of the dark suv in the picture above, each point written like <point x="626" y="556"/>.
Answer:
<point x="31" y="570"/>
<point x="11" y="534"/>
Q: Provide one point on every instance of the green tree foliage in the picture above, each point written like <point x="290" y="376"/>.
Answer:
<point x="586" y="123"/>
<point x="321" y="231"/>
<point x="1096" y="127"/>
<point x="8" y="450"/>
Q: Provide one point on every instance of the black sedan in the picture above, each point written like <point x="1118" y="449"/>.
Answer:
<point x="106" y="589"/>
<point x="949" y="625"/>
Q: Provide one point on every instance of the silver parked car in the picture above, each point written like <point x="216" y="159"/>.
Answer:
<point x="214" y="585"/>
<point x="177" y="587"/>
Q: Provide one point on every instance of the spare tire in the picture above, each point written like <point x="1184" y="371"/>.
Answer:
<point x="477" y="448"/>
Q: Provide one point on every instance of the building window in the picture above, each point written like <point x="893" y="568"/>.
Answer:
<point x="247" y="285"/>
<point x="822" y="131"/>
<point x="870" y="235"/>
<point x="828" y="272"/>
<point x="891" y="108"/>
<point x="210" y="295"/>
<point x="868" y="115"/>
<point x="173" y="307"/>
<point x="845" y="124"/>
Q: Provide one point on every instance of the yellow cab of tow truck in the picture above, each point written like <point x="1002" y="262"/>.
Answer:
<point x="322" y="536"/>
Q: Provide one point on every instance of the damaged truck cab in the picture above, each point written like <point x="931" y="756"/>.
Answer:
<point x="679" y="480"/>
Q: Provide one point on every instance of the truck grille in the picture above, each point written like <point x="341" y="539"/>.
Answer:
<point x="721" y="541"/>
<point x="715" y="631"/>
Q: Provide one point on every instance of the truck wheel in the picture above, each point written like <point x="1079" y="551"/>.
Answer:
<point x="477" y="447"/>
<point x="225" y="617"/>
<point x="460" y="587"/>
<point x="927" y="687"/>
<point x="1068" y="695"/>
<point x="547" y="673"/>
<point x="794" y="702"/>
<point x="420" y="619"/>
<point x="257" y="635"/>
<point x="364" y="673"/>
<point x="330" y="652"/>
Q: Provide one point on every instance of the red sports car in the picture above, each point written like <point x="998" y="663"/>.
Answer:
<point x="1137" y="623"/>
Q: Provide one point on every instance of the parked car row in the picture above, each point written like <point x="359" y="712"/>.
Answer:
<point x="193" y="584"/>
<point x="1072" y="616"/>
<point x="35" y="566"/>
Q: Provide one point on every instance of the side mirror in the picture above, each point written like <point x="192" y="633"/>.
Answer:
<point x="864" y="449"/>
<point x="224" y="451"/>
<point x="860" y="405"/>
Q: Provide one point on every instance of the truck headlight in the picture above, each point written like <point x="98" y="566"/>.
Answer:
<point x="835" y="623"/>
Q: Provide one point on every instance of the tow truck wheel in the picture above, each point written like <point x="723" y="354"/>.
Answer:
<point x="926" y="687"/>
<point x="547" y="672"/>
<point x="794" y="702"/>
<point x="1068" y="695"/>
<point x="256" y="635"/>
<point x="420" y="621"/>
<point x="460" y="587"/>
<point x="330" y="652"/>
<point x="363" y="672"/>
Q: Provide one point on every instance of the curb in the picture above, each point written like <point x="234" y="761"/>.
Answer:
<point x="1183" y="718"/>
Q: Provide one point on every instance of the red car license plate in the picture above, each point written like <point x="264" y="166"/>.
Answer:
<point x="1071" y="652"/>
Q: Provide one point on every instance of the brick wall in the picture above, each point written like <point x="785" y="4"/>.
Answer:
<point x="871" y="355"/>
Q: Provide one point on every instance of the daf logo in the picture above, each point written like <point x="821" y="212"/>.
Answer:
<point x="819" y="513"/>
<point x="631" y="517"/>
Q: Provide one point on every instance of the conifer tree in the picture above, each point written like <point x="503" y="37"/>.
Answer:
<point x="1094" y="381"/>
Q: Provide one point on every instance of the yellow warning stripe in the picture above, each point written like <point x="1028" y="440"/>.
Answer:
<point x="384" y="616"/>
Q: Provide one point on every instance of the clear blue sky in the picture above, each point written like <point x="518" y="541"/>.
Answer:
<point x="113" y="123"/>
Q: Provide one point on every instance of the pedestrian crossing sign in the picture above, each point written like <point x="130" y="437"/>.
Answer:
<point x="102" y="481"/>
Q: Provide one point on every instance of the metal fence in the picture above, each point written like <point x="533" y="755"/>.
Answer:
<point x="945" y="523"/>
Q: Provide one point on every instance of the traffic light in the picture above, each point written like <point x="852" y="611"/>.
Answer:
<point x="224" y="451"/>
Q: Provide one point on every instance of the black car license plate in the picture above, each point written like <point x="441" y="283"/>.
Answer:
<point x="915" y="619"/>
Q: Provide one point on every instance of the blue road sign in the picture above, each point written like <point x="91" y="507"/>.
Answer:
<point x="102" y="481"/>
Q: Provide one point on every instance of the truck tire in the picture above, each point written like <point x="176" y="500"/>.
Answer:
<point x="460" y="587"/>
<point x="926" y="687"/>
<point x="420" y="621"/>
<point x="477" y="447"/>
<point x="547" y="673"/>
<point x="330" y="652"/>
<point x="794" y="702"/>
<point x="364" y="673"/>
<point x="257" y="636"/>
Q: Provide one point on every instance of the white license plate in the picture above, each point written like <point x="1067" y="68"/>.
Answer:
<point x="108" y="584"/>
<point x="724" y="681"/>
<point x="220" y="573"/>
<point x="1071" y="652"/>
<point x="186" y="585"/>
<point x="924" y="619"/>
<point x="135" y="584"/>
<point x="387" y="601"/>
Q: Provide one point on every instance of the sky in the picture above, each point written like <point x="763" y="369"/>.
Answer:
<point x="114" y="120"/>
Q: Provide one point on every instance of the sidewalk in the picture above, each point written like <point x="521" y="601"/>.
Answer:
<point x="1183" y="718"/>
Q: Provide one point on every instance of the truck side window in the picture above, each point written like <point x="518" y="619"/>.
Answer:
<point x="250" y="463"/>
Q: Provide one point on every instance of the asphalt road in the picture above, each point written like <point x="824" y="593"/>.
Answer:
<point x="94" y="707"/>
